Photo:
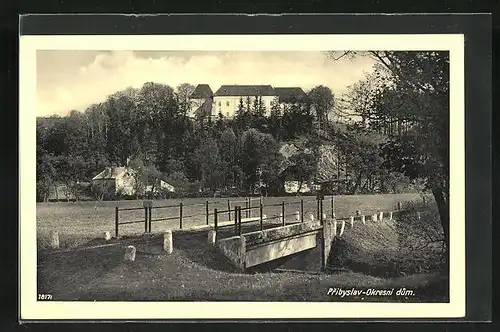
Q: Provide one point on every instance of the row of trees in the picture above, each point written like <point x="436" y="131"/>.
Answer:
<point x="148" y="128"/>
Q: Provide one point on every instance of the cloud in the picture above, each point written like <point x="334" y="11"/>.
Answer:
<point x="75" y="80"/>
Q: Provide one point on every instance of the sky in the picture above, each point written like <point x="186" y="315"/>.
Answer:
<point x="73" y="80"/>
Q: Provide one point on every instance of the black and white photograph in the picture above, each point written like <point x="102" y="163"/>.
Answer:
<point x="230" y="171"/>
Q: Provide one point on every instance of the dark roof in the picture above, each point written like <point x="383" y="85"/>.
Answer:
<point x="287" y="95"/>
<point x="205" y="110"/>
<point x="202" y="91"/>
<point x="245" y="90"/>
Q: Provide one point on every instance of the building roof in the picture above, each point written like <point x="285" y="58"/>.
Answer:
<point x="201" y="91"/>
<point x="205" y="110"/>
<point x="112" y="173"/>
<point x="245" y="90"/>
<point x="288" y="95"/>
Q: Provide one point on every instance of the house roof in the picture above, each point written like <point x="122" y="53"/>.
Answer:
<point x="111" y="173"/>
<point x="201" y="91"/>
<point x="287" y="95"/>
<point x="205" y="110"/>
<point x="245" y="90"/>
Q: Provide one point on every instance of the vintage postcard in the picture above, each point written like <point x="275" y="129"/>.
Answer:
<point x="242" y="177"/>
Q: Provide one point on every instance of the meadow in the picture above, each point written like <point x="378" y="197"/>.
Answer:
<point x="195" y="271"/>
<point x="79" y="221"/>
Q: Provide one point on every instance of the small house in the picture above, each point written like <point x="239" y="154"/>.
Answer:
<point x="116" y="181"/>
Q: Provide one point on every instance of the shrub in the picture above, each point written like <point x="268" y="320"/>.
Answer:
<point x="406" y="245"/>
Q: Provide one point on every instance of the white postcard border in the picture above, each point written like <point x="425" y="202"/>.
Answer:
<point x="31" y="309"/>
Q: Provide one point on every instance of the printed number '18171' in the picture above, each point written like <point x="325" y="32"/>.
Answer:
<point x="44" y="296"/>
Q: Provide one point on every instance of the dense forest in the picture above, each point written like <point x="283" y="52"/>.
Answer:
<point x="148" y="129"/>
<point x="368" y="129"/>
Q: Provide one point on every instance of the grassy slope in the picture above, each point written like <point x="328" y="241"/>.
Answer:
<point x="193" y="271"/>
<point x="102" y="275"/>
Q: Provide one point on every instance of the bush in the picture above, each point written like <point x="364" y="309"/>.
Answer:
<point x="406" y="245"/>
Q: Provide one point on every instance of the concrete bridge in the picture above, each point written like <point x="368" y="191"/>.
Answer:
<point x="252" y="249"/>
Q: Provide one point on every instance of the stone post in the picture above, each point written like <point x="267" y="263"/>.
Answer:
<point x="54" y="240"/>
<point x="297" y="215"/>
<point x="351" y="220"/>
<point x="390" y="215"/>
<point x="374" y="217"/>
<point x="381" y="217"/>
<point x="311" y="217"/>
<point x="342" y="228"/>
<point x="212" y="235"/>
<point x="363" y="219"/>
<point x="129" y="254"/>
<point x="168" y="246"/>
<point x="107" y="236"/>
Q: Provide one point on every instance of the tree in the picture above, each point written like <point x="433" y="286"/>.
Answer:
<point x="415" y="89"/>
<point x="183" y="94"/>
<point x="99" y="190"/>
<point x="241" y="108"/>
<point x="321" y="98"/>
<point x="179" y="181"/>
<point x="248" y="105"/>
<point x="304" y="167"/>
<point x="228" y="154"/>
<point x="144" y="173"/>
<point x="210" y="164"/>
<point x="258" y="151"/>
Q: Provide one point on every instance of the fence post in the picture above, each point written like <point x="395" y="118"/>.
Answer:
<point x="180" y="215"/>
<point x="239" y="221"/>
<point x="116" y="221"/>
<point x="206" y="210"/>
<point x="249" y="210"/>
<point x="235" y="220"/>
<point x="145" y="219"/>
<point x="261" y="210"/>
<point x="215" y="220"/>
<point x="321" y="212"/>
<point x="301" y="210"/>
<point x="149" y="217"/>
<point x="229" y="210"/>
<point x="333" y="207"/>
<point x="283" y="212"/>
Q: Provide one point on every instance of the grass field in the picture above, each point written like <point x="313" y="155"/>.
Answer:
<point x="80" y="221"/>
<point x="194" y="272"/>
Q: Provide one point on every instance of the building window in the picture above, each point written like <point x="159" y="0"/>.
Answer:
<point x="219" y="104"/>
<point x="227" y="103"/>
<point x="227" y="114"/>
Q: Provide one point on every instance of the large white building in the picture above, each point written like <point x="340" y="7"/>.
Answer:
<point x="227" y="98"/>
